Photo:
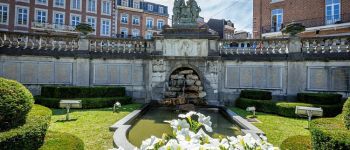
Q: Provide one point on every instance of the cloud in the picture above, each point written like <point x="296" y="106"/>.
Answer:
<point x="240" y="12"/>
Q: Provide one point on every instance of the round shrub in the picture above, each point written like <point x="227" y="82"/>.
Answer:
<point x="15" y="103"/>
<point x="320" y="98"/>
<point x="29" y="136"/>
<point x="346" y="114"/>
<point x="329" y="134"/>
<point x="299" y="142"/>
<point x="58" y="140"/>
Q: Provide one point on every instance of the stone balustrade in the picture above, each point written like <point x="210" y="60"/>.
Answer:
<point x="324" y="45"/>
<point x="253" y="46"/>
<point x="121" y="45"/>
<point x="38" y="41"/>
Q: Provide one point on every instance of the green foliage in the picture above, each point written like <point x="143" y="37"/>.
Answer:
<point x="256" y="94"/>
<point x="64" y="141"/>
<point x="87" y="103"/>
<point x="29" y="136"/>
<point x="299" y="142"/>
<point x="320" y="98"/>
<point x="286" y="109"/>
<point x="15" y="103"/>
<point x="329" y="134"/>
<point x="84" y="28"/>
<point x="293" y="28"/>
<point x="81" y="92"/>
<point x="346" y="113"/>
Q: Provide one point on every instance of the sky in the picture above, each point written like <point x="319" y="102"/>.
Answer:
<point x="240" y="12"/>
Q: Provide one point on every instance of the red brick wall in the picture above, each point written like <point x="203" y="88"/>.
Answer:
<point x="129" y="25"/>
<point x="155" y="18"/>
<point x="294" y="10"/>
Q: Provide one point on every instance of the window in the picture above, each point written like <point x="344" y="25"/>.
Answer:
<point x="149" y="23"/>
<point x="276" y="20"/>
<point x="75" y="20"/>
<point x="124" y="18"/>
<point x="76" y="4"/>
<point x="91" y="21"/>
<point x="124" y="32"/>
<point x="59" y="3"/>
<point x="135" y="33"/>
<point x="106" y="7"/>
<point x="22" y="16"/>
<point x="150" y="7"/>
<point x="3" y="14"/>
<point x="135" y="20"/>
<point x="41" y="16"/>
<point x="105" y="27"/>
<point x="59" y="18"/>
<point x="332" y="11"/>
<point x="43" y="2"/>
<point x="125" y="3"/>
<point x="136" y="5"/>
<point x="91" y="6"/>
<point x="160" y="24"/>
<point x="149" y="35"/>
<point x="161" y="10"/>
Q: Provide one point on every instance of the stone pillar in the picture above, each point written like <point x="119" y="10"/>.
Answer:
<point x="83" y="44"/>
<point x="294" y="45"/>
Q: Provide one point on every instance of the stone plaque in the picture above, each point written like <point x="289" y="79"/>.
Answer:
<point x="259" y="77"/>
<point x="29" y="72"/>
<point x="185" y="47"/>
<point x="246" y="79"/>
<point x="232" y="77"/>
<point x="274" y="77"/>
<point x="340" y="79"/>
<point x="113" y="73"/>
<point x="63" y="73"/>
<point x="318" y="78"/>
<point x="125" y="74"/>
<point x="11" y="70"/>
<point x="46" y="72"/>
<point x="100" y="74"/>
<point x="138" y="75"/>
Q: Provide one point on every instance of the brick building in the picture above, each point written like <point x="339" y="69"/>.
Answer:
<point x="137" y="18"/>
<point x="57" y="16"/>
<point x="321" y="17"/>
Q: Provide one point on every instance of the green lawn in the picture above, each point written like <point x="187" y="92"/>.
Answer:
<point x="91" y="126"/>
<point x="277" y="128"/>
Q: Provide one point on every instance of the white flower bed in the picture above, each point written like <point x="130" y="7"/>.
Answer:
<point x="189" y="134"/>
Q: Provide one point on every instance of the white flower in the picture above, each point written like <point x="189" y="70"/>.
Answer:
<point x="178" y="124"/>
<point x="187" y="136"/>
<point x="188" y="115"/>
<point x="149" y="144"/>
<point x="205" y="121"/>
<point x="224" y="144"/>
<point x="171" y="145"/>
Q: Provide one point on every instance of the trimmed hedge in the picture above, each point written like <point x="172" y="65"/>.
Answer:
<point x="87" y="103"/>
<point x="346" y="114"/>
<point x="256" y="94"/>
<point x="29" y="136"/>
<point x="286" y="109"/>
<point x="320" y="98"/>
<point x="299" y="142"/>
<point x="15" y="103"/>
<point x="329" y="134"/>
<point x="64" y="141"/>
<point x="82" y="92"/>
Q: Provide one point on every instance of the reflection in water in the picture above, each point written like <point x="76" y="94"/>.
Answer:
<point x="152" y="123"/>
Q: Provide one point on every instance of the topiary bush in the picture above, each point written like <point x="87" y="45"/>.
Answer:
<point x="320" y="98"/>
<point x="81" y="92"/>
<point x="286" y="109"/>
<point x="346" y="114"/>
<point x="64" y="141"/>
<point x="299" y="142"/>
<point x="256" y="94"/>
<point x="87" y="103"/>
<point x="329" y="134"/>
<point x="15" y="103"/>
<point x="29" y="136"/>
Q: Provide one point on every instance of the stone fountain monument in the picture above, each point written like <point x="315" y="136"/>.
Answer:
<point x="185" y="40"/>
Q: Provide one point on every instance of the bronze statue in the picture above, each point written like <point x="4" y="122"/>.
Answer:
<point x="185" y="14"/>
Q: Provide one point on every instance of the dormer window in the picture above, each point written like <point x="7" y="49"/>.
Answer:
<point x="150" y="7"/>
<point x="161" y="10"/>
<point x="136" y="5"/>
<point x="125" y="3"/>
